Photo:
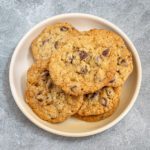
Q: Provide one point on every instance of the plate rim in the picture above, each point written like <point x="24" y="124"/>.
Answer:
<point x="83" y="134"/>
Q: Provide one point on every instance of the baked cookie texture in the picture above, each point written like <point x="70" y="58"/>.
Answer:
<point x="124" y="56"/>
<point x="94" y="118"/>
<point x="47" y="100"/>
<point x="77" y="73"/>
<point x="99" y="105"/>
<point x="124" y="67"/>
<point x="50" y="39"/>
<point x="100" y="102"/>
<point x="83" y="65"/>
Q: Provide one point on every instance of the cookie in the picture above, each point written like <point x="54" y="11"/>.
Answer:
<point x="50" y="39"/>
<point x="83" y="66"/>
<point x="100" y="103"/>
<point x="124" y="56"/>
<point x="94" y="118"/>
<point x="124" y="66"/>
<point x="111" y="38"/>
<point x="48" y="101"/>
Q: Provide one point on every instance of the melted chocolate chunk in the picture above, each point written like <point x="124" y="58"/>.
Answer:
<point x="83" y="70"/>
<point x="63" y="28"/>
<point x="49" y="84"/>
<point x="94" y="95"/>
<point x="105" y="52"/>
<point x="111" y="81"/>
<point x="56" y="45"/>
<point x="40" y="100"/>
<point x="73" y="88"/>
<point x="121" y="61"/>
<point x="83" y="55"/>
<point x="45" y="73"/>
<point x="91" y="96"/>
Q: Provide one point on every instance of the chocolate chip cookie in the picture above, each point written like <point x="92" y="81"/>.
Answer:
<point x="83" y="65"/>
<point x="102" y="103"/>
<point x="48" y="101"/>
<point x="94" y="118"/>
<point x="50" y="40"/>
<point x="124" y="66"/>
<point x="124" y="56"/>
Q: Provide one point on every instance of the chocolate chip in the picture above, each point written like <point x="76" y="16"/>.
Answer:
<point x="104" y="101"/>
<point x="39" y="97"/>
<point x="36" y="84"/>
<point x="121" y="61"/>
<point x="83" y="69"/>
<point x="45" y="41"/>
<point x="49" y="84"/>
<point x="109" y="92"/>
<point x="83" y="55"/>
<point x="111" y="81"/>
<point x="73" y="88"/>
<point x="105" y="52"/>
<point x="94" y="95"/>
<point x="63" y="28"/>
<point x="49" y="103"/>
<point x="39" y="93"/>
<point x="45" y="73"/>
<point x="118" y="71"/>
<point x="56" y="45"/>
<point x="86" y="95"/>
<point x="40" y="100"/>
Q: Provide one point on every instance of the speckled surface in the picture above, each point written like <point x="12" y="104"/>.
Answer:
<point x="17" y="17"/>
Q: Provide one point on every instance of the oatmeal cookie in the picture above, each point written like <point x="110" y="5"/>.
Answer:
<point x="50" y="40"/>
<point x="47" y="100"/>
<point x="83" y="66"/>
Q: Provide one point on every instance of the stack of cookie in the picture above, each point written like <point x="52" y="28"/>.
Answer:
<point x="77" y="74"/>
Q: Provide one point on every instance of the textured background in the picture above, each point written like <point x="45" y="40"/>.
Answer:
<point x="17" y="17"/>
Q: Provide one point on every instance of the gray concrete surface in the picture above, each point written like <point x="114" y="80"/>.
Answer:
<point x="17" y="17"/>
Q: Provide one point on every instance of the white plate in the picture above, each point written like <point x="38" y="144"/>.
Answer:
<point x="22" y="59"/>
